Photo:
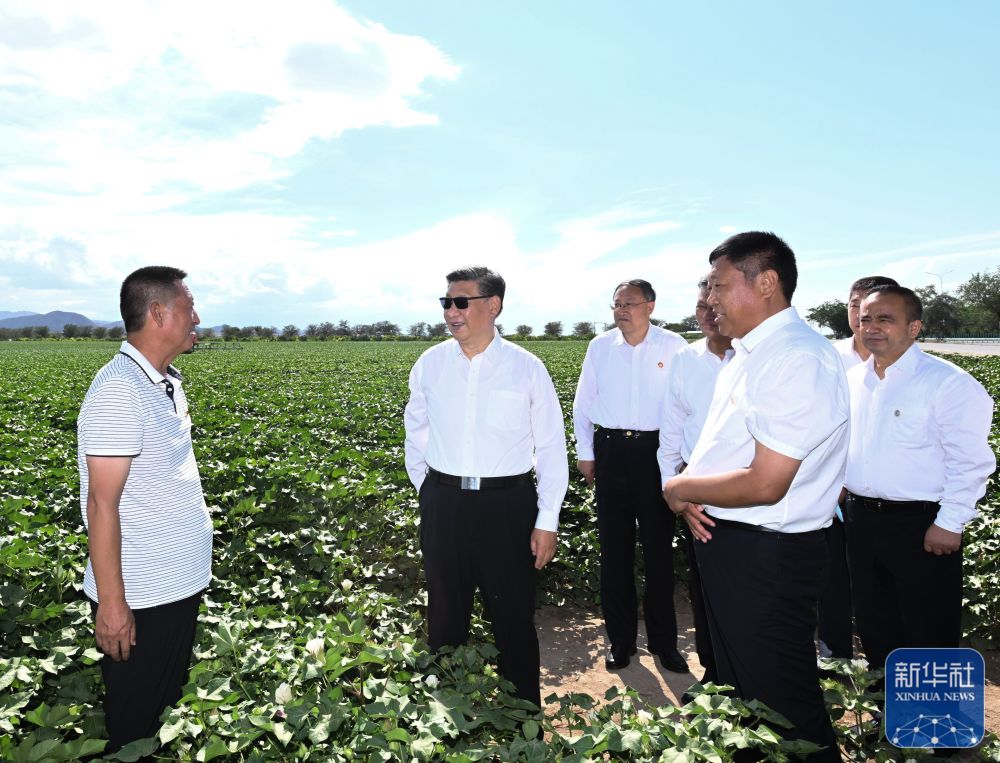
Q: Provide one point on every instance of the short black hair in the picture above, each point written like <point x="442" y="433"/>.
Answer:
<point x="489" y="282"/>
<point x="754" y="252"/>
<point x="645" y="287"/>
<point x="868" y="283"/>
<point x="143" y="287"/>
<point x="914" y="308"/>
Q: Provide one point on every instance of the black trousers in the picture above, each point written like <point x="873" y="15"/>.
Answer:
<point x="761" y="590"/>
<point x="482" y="539"/>
<point x="629" y="492"/>
<point x="702" y="632"/>
<point x="836" y="628"/>
<point x="903" y="596"/>
<point x="139" y="689"/>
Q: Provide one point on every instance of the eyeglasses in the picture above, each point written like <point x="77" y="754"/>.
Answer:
<point x="462" y="303"/>
<point x="628" y="305"/>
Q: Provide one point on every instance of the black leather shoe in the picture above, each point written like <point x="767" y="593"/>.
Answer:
<point x="672" y="660"/>
<point x="618" y="658"/>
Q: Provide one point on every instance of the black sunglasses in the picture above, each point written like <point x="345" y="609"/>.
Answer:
<point x="460" y="302"/>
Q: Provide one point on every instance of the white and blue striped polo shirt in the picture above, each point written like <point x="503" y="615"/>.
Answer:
<point x="131" y="409"/>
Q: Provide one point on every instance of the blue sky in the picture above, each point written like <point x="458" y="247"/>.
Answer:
<point x="328" y="161"/>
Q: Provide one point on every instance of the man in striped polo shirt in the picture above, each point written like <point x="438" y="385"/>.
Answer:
<point x="149" y="532"/>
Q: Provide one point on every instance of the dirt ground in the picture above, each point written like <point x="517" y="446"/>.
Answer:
<point x="573" y="645"/>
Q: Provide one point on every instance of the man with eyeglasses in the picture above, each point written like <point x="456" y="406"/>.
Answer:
<point x="148" y="528"/>
<point x="620" y="392"/>
<point x="481" y="412"/>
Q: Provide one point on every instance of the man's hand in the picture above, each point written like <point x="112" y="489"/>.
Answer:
<point x="114" y="628"/>
<point x="543" y="547"/>
<point x="587" y="470"/>
<point x="694" y="513"/>
<point x="939" y="541"/>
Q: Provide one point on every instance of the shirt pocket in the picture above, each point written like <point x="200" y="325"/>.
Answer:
<point x="908" y="424"/>
<point x="506" y="409"/>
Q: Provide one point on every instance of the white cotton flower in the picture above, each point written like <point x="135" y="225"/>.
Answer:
<point x="316" y="648"/>
<point x="431" y="681"/>
<point x="643" y="717"/>
<point x="283" y="694"/>
<point x="347" y="585"/>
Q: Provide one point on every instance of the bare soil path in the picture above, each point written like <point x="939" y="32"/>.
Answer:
<point x="573" y="645"/>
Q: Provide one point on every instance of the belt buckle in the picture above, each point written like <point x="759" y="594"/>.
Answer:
<point x="470" y="483"/>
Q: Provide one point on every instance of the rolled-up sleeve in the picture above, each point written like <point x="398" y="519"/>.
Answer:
<point x="799" y="400"/>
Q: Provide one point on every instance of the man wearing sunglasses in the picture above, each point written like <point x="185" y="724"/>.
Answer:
<point x="481" y="413"/>
<point x="621" y="391"/>
<point x="148" y="529"/>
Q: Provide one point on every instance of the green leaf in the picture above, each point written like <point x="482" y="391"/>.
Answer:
<point x="283" y="734"/>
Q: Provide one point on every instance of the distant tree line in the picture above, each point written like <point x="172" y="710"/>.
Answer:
<point x="974" y="309"/>
<point x="69" y="331"/>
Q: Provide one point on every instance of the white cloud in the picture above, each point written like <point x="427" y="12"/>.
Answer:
<point x="727" y="229"/>
<point x="122" y="98"/>
<point x="252" y="268"/>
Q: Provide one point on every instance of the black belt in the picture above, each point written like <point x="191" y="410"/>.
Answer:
<point x="629" y="434"/>
<point x="479" y="483"/>
<point x="758" y="529"/>
<point x="885" y="505"/>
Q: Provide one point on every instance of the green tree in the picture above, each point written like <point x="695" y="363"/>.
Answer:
<point x="438" y="329"/>
<point x="524" y="330"/>
<point x="117" y="332"/>
<point x="942" y="316"/>
<point x="553" y="329"/>
<point x="982" y="290"/>
<point x="290" y="333"/>
<point x="583" y="330"/>
<point x="70" y="330"/>
<point x="418" y="330"/>
<point x="833" y="315"/>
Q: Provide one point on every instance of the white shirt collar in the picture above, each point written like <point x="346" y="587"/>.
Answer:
<point x="619" y="339"/>
<point x="491" y="349"/>
<point x="905" y="364"/>
<point x="765" y="329"/>
<point x="154" y="376"/>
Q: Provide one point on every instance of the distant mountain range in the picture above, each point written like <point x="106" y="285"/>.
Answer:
<point x="54" y="320"/>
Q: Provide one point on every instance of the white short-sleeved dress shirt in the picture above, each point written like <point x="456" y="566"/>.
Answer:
<point x="496" y="415"/>
<point x="621" y="386"/>
<point x="686" y="403"/>
<point x="166" y="532"/>
<point x="785" y="388"/>
<point x="920" y="434"/>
